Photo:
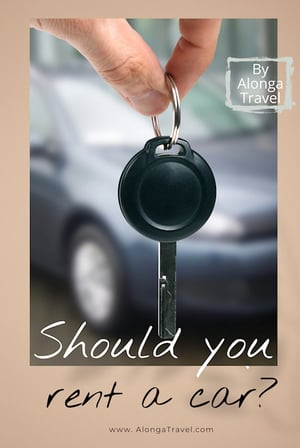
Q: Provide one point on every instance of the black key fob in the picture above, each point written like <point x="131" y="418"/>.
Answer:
<point x="167" y="196"/>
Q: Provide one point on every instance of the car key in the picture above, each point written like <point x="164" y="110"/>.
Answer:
<point x="167" y="192"/>
<point x="166" y="290"/>
<point x="167" y="197"/>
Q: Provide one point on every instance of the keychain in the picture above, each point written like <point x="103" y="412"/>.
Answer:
<point x="167" y="196"/>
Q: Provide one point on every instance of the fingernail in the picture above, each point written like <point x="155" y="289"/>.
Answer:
<point x="151" y="103"/>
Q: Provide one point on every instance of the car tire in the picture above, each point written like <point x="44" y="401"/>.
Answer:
<point x="95" y="277"/>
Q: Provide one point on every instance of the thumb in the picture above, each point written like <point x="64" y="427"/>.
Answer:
<point x="119" y="55"/>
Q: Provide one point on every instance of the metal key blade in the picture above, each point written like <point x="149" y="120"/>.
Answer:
<point x="166" y="290"/>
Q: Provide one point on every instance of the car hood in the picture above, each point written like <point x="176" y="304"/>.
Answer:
<point x="245" y="174"/>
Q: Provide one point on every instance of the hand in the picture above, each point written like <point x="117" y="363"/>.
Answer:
<point x="123" y="59"/>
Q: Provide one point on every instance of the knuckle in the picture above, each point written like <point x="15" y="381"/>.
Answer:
<point x="125" y="73"/>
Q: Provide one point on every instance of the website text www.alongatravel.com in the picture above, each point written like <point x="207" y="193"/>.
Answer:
<point x="161" y="429"/>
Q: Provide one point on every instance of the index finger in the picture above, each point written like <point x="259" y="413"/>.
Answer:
<point x="193" y="52"/>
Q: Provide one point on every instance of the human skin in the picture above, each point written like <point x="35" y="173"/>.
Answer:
<point x="123" y="59"/>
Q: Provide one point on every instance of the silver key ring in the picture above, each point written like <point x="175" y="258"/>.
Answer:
<point x="176" y="113"/>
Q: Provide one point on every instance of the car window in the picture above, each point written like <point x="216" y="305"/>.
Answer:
<point x="41" y="120"/>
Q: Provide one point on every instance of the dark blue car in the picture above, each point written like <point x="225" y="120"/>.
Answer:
<point x="82" y="136"/>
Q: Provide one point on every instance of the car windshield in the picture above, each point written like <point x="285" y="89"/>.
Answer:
<point x="99" y="116"/>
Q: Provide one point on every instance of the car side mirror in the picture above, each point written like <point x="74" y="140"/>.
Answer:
<point x="38" y="144"/>
<point x="42" y="147"/>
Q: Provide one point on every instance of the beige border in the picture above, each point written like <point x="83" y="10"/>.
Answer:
<point x="24" y="419"/>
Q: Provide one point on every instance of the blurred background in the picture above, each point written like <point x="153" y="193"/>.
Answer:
<point x="88" y="264"/>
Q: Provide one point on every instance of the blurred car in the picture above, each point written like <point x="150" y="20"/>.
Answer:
<point x="82" y="136"/>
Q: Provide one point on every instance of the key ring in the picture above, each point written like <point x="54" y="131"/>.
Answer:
<point x="176" y="113"/>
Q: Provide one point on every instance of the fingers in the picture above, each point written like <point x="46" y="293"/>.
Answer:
<point x="193" y="52"/>
<point x="119" y="55"/>
<point x="123" y="59"/>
